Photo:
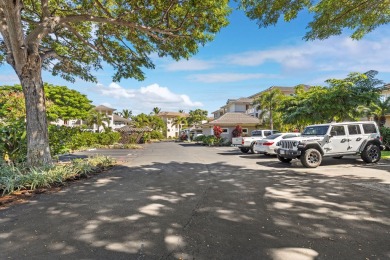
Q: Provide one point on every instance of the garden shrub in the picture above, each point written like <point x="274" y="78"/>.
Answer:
<point x="217" y="131"/>
<point x="108" y="138"/>
<point x="385" y="133"/>
<point x="237" y="132"/>
<point x="17" y="178"/>
<point x="13" y="141"/>
<point x="156" y="135"/>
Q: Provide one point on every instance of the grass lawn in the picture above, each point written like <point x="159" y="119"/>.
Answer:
<point x="385" y="154"/>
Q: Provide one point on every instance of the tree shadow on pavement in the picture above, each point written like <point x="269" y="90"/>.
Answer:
<point x="179" y="210"/>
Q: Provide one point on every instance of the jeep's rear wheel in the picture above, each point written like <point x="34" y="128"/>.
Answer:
<point x="244" y="150"/>
<point x="371" y="153"/>
<point x="311" y="158"/>
<point x="284" y="160"/>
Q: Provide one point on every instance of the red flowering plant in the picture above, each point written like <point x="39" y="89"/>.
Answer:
<point x="217" y="131"/>
<point x="237" y="132"/>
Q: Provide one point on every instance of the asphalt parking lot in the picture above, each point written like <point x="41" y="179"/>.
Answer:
<point x="185" y="201"/>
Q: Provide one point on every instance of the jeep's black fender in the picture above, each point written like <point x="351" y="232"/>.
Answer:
<point x="368" y="142"/>
<point x="316" y="146"/>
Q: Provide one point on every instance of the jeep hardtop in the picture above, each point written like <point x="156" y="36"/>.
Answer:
<point x="333" y="140"/>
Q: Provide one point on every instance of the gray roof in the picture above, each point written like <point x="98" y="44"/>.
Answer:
<point x="285" y="90"/>
<point x="174" y="114"/>
<point x="131" y="129"/>
<point x="102" y="107"/>
<point x="234" y="119"/>
<point x="121" y="119"/>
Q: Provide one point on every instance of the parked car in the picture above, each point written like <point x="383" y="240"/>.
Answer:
<point x="269" y="144"/>
<point x="245" y="144"/>
<point x="335" y="140"/>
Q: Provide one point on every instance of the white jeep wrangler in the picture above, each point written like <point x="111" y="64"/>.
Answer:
<point x="333" y="140"/>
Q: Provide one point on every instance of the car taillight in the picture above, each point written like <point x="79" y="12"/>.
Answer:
<point x="268" y="143"/>
<point x="242" y="142"/>
<point x="381" y="138"/>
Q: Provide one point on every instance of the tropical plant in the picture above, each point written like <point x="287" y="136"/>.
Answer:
<point x="181" y="111"/>
<point x="73" y="38"/>
<point x="197" y="116"/>
<point x="126" y="113"/>
<point x="217" y="131"/>
<point x="17" y="178"/>
<point x="13" y="143"/>
<point x="156" y="110"/>
<point x="268" y="103"/>
<point x="379" y="110"/>
<point x="330" y="17"/>
<point x="179" y="121"/>
<point x="237" y="131"/>
<point x="97" y="118"/>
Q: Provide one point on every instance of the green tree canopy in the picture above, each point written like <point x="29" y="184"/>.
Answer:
<point x="340" y="101"/>
<point x="66" y="103"/>
<point x="197" y="116"/>
<point x="152" y="121"/>
<point x="72" y="38"/>
<point x="62" y="102"/>
<point x="330" y="16"/>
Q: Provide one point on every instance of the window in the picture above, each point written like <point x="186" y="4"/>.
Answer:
<point x="267" y="133"/>
<point x="316" y="130"/>
<point x="245" y="130"/>
<point x="338" y="130"/>
<point x="369" y="128"/>
<point x="225" y="130"/>
<point x="354" y="130"/>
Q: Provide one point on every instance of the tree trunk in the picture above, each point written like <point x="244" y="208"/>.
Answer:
<point x="38" y="151"/>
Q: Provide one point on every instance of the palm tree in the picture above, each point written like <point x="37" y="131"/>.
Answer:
<point x="379" y="110"/>
<point x="181" y="111"/>
<point x="156" y="110"/>
<point x="126" y="113"/>
<point x="179" y="122"/>
<point x="97" y="118"/>
<point x="267" y="103"/>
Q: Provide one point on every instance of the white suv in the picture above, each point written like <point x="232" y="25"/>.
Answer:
<point x="333" y="140"/>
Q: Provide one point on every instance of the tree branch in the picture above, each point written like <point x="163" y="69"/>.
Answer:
<point x="146" y="29"/>
<point x="45" y="9"/>
<point x="11" y="29"/>
<point x="103" y="8"/>
<point x="81" y="38"/>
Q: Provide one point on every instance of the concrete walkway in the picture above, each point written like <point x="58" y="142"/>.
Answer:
<point x="183" y="201"/>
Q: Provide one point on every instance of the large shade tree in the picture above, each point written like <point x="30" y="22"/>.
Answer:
<point x="330" y="17"/>
<point x="70" y="38"/>
<point x="61" y="102"/>
<point x="340" y="101"/>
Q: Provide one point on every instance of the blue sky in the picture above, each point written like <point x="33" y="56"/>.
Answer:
<point x="241" y="61"/>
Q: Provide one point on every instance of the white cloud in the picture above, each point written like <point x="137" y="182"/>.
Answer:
<point x="227" y="77"/>
<point x="146" y="98"/>
<point x="116" y="91"/>
<point x="336" y="53"/>
<point x="189" y="65"/>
